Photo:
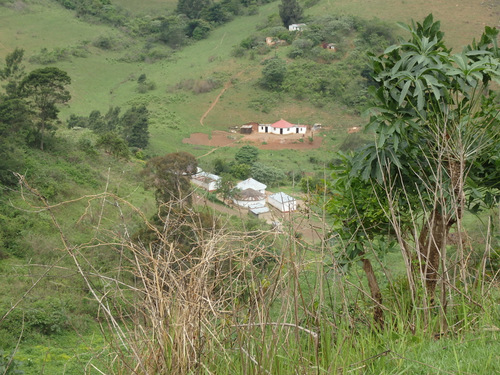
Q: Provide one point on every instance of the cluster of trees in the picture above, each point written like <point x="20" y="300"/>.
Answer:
<point x="117" y="133"/>
<point x="192" y="19"/>
<point x="28" y="109"/>
<point x="246" y="165"/>
<point x="178" y="226"/>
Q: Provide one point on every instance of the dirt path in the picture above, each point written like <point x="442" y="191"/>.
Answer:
<point x="226" y="86"/>
<point x="209" y="152"/>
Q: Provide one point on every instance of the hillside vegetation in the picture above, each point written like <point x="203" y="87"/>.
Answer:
<point x="113" y="263"/>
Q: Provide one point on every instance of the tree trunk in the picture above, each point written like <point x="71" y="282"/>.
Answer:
<point x="42" y="130"/>
<point x="431" y="240"/>
<point x="378" y="314"/>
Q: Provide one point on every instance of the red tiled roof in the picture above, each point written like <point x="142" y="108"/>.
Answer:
<point x="283" y="124"/>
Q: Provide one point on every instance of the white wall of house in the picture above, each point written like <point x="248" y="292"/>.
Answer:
<point x="207" y="181"/>
<point x="250" y="204"/>
<point x="296" y="27"/>
<point x="298" y="129"/>
<point x="282" y="202"/>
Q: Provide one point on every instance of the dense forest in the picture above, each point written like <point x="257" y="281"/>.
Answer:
<point x="114" y="262"/>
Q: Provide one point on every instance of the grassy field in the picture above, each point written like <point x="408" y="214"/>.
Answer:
<point x="300" y="286"/>
<point x="101" y="80"/>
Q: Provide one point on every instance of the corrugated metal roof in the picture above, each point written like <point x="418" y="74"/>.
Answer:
<point x="251" y="184"/>
<point x="205" y="176"/>
<point x="259" y="210"/>
<point x="282" y="197"/>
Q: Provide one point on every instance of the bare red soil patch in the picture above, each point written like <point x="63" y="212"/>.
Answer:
<point x="260" y="140"/>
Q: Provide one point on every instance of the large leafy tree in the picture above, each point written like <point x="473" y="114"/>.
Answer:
<point x="437" y="129"/>
<point x="135" y="125"/>
<point x="290" y="12"/>
<point x="192" y="8"/>
<point x="43" y="89"/>
<point x="169" y="176"/>
<point x="13" y="71"/>
<point x="247" y="155"/>
<point x="273" y="74"/>
<point x="14" y="118"/>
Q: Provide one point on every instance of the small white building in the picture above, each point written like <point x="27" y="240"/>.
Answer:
<point x="250" y="198"/>
<point x="250" y="183"/>
<point x="282" y="202"/>
<point x="207" y="181"/>
<point x="296" y="27"/>
<point x="282" y="127"/>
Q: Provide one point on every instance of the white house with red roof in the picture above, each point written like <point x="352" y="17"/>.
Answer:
<point x="282" y="127"/>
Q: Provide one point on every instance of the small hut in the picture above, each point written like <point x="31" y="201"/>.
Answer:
<point x="250" y="198"/>
<point x="246" y="129"/>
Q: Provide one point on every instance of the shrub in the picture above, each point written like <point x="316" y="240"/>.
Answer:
<point x="109" y="42"/>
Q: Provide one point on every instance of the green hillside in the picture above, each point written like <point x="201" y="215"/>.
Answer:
<point x="112" y="263"/>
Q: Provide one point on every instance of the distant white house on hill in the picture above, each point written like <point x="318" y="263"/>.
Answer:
<point x="282" y="127"/>
<point x="207" y="181"/>
<point x="250" y="183"/>
<point x="283" y="202"/>
<point x="296" y="27"/>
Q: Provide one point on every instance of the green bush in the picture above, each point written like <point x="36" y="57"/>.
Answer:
<point x="8" y="365"/>
<point x="48" y="316"/>
<point x="108" y="43"/>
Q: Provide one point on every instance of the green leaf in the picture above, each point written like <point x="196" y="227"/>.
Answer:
<point x="389" y="49"/>
<point x="381" y="140"/>
<point x="404" y="92"/>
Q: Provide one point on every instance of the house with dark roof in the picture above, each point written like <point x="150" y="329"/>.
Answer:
<point x="250" y="198"/>
<point x="282" y="127"/>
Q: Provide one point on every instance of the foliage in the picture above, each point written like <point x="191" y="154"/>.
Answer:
<point x="14" y="131"/>
<point x="273" y="74"/>
<point x="198" y="29"/>
<point x="13" y="71"/>
<point x="170" y="177"/>
<point x="144" y="85"/>
<point x="102" y="10"/>
<point x="312" y="184"/>
<point x="192" y="8"/>
<point x="134" y="124"/>
<point x="240" y="171"/>
<point x="290" y="12"/>
<point x="113" y="144"/>
<point x="45" y="57"/>
<point x="434" y="118"/>
<point x="43" y="89"/>
<point x="9" y="365"/>
<point x="247" y="155"/>
<point x="269" y="175"/>
<point x="226" y="187"/>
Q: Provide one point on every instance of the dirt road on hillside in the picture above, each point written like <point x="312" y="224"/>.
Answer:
<point x="227" y="85"/>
